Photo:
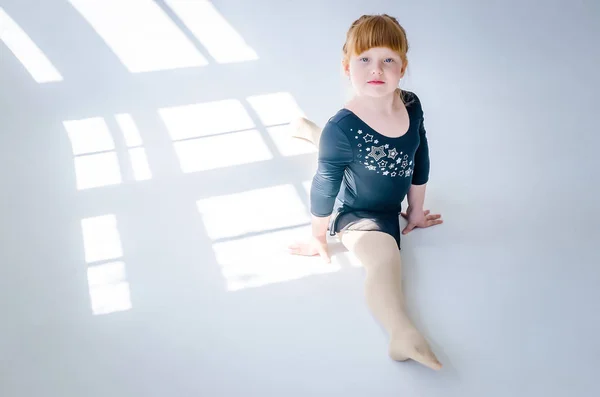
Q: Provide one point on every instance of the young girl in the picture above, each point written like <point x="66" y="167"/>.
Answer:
<point x="372" y="154"/>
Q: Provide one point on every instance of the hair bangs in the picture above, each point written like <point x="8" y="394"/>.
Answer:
<point x="378" y="31"/>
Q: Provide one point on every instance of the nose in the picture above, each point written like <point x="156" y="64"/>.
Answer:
<point x="377" y="70"/>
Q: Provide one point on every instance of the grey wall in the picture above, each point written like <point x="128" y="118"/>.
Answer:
<point x="507" y="288"/>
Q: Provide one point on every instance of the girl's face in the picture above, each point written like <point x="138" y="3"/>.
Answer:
<point x="376" y="72"/>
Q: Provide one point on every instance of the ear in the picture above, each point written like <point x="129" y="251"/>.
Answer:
<point x="404" y="65"/>
<point x="346" y="67"/>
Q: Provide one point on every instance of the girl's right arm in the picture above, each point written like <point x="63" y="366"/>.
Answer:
<point x="335" y="154"/>
<point x="319" y="227"/>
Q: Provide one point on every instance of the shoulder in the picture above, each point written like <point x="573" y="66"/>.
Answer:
<point x="342" y="121"/>
<point x="335" y="138"/>
<point x="342" y="118"/>
<point x="411" y="101"/>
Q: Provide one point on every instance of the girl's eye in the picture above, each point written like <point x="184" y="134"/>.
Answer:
<point x="364" y="59"/>
<point x="389" y="59"/>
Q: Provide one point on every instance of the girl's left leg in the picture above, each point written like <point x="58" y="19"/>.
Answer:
<point x="379" y="254"/>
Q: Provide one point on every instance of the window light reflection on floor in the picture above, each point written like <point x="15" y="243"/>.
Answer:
<point x="96" y="161"/>
<point x="252" y="211"/>
<point x="108" y="288"/>
<point x="140" y="34"/>
<point x="222" y="151"/>
<point x="96" y="164"/>
<point x="263" y="259"/>
<point x="107" y="279"/>
<point x="208" y="118"/>
<point x="26" y="51"/>
<point x="133" y="141"/>
<point x="213" y="31"/>
<point x="275" y="108"/>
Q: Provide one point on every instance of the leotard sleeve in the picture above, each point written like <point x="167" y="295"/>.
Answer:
<point x="422" y="162"/>
<point x="335" y="154"/>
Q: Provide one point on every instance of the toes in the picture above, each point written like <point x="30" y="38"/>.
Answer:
<point x="426" y="357"/>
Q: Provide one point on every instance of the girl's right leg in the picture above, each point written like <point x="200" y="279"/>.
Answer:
<point x="379" y="254"/>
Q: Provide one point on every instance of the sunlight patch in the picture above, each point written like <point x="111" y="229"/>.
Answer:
<point x="219" y="38"/>
<point x="93" y="170"/>
<point x="221" y="151"/>
<point x="131" y="134"/>
<point x="97" y="170"/>
<point x="276" y="108"/>
<point x="286" y="145"/>
<point x="139" y="163"/>
<point x="107" y="282"/>
<point x="26" y="51"/>
<point x="261" y="260"/>
<point x="101" y="239"/>
<point x="133" y="140"/>
<point x="89" y="135"/>
<point x="202" y="119"/>
<point x="252" y="211"/>
<point x="140" y="34"/>
<point x="307" y="185"/>
<point x="109" y="290"/>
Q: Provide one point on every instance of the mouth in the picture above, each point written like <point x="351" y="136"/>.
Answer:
<point x="376" y="82"/>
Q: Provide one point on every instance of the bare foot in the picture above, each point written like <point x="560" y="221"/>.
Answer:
<point x="410" y="344"/>
<point x="302" y="128"/>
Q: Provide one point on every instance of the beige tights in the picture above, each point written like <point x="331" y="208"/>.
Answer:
<point x="305" y="129"/>
<point x="379" y="254"/>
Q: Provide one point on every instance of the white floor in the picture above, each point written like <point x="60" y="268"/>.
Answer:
<point x="150" y="192"/>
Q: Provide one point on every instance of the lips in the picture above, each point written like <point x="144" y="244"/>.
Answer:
<point x="376" y="82"/>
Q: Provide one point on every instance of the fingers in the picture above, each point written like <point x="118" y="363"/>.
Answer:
<point x="292" y="248"/>
<point x="408" y="228"/>
<point x="324" y="254"/>
<point x="298" y="249"/>
<point x="294" y="251"/>
<point x="436" y="222"/>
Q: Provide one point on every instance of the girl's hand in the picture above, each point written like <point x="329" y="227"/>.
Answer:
<point x="420" y="219"/>
<point x="314" y="246"/>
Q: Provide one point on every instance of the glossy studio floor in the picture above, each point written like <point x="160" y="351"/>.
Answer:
<point x="151" y="189"/>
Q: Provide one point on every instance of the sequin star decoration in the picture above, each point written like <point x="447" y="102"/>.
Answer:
<point x="393" y="174"/>
<point x="368" y="138"/>
<point x="382" y="163"/>
<point x="386" y="173"/>
<point x="377" y="152"/>
<point x="392" y="153"/>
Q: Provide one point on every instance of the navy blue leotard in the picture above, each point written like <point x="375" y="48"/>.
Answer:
<point x="363" y="176"/>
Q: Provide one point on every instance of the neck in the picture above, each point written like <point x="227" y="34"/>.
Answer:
<point x="383" y="105"/>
